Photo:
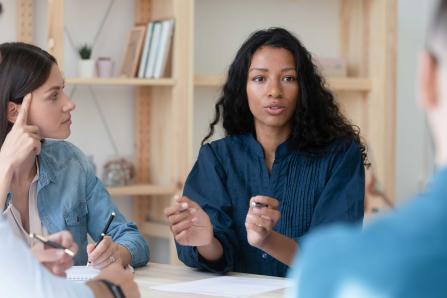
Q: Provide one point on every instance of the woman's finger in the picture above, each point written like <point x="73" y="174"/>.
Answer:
<point x="66" y="262"/>
<point x="22" y="117"/>
<point x="259" y="221"/>
<point x="49" y="255"/>
<point x="175" y="208"/>
<point x="181" y="226"/>
<point x="178" y="217"/>
<point x="269" y="201"/>
<point x="102" y="247"/>
<point x="254" y="227"/>
<point x="267" y="212"/>
<point x="182" y="237"/>
<point x="104" y="257"/>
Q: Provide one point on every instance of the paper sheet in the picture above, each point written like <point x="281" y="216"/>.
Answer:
<point x="227" y="286"/>
<point x="81" y="273"/>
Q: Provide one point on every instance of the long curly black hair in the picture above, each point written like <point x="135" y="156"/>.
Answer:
<point x="317" y="120"/>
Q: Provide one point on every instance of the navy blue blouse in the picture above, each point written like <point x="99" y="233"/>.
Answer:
<point x="311" y="191"/>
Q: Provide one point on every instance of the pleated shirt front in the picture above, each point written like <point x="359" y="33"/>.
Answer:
<point x="311" y="190"/>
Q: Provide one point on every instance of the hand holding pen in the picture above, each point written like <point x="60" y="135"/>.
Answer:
<point x="262" y="216"/>
<point x="57" y="252"/>
<point x="105" y="251"/>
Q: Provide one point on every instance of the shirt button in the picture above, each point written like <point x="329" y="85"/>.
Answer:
<point x="264" y="256"/>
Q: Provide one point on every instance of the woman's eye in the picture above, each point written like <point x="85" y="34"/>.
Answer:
<point x="258" y="79"/>
<point x="54" y="96"/>
<point x="289" y="79"/>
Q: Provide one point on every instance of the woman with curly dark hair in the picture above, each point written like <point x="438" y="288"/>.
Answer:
<point x="290" y="162"/>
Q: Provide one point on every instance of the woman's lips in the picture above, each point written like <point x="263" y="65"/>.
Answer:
<point x="68" y="121"/>
<point x="274" y="110"/>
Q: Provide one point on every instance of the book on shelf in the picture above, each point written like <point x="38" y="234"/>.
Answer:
<point x="147" y="46"/>
<point x="167" y="30"/>
<point x="155" y="43"/>
<point x="157" y="47"/>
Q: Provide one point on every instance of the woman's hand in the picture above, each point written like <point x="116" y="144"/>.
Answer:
<point x="262" y="216"/>
<point x="106" y="252"/>
<point x="22" y="141"/>
<point x="120" y="277"/>
<point x="190" y="225"/>
<point x="56" y="260"/>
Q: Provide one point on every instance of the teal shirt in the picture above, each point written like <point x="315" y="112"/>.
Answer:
<point x="402" y="254"/>
<point x="312" y="191"/>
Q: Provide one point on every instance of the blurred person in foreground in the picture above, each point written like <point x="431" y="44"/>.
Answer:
<point x="403" y="254"/>
<point x="24" y="275"/>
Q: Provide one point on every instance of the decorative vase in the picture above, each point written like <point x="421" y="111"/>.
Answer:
<point x="104" y="67"/>
<point x="118" y="172"/>
<point x="86" y="68"/>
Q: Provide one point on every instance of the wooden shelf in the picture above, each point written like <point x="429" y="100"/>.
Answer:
<point x="349" y="84"/>
<point x="140" y="190"/>
<point x="120" y="81"/>
<point x="337" y="84"/>
<point x="155" y="229"/>
<point x="209" y="80"/>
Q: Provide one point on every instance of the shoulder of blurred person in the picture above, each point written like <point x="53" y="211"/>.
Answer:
<point x="23" y="276"/>
<point x="401" y="254"/>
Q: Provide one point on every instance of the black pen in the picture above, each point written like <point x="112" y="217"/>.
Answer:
<point x="104" y="232"/>
<point x="51" y="243"/>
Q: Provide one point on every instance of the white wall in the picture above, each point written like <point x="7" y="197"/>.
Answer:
<point x="413" y="153"/>
<point x="8" y="21"/>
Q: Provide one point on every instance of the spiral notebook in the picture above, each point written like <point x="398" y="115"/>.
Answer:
<point x="81" y="273"/>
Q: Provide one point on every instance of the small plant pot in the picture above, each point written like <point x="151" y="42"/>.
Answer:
<point x="87" y="68"/>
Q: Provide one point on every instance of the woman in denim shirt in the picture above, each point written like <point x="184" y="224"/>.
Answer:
<point x="290" y="163"/>
<point x="48" y="186"/>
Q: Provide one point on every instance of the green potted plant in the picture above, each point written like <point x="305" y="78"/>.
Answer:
<point x="86" y="64"/>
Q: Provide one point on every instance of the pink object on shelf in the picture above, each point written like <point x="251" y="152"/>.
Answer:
<point x="104" y="67"/>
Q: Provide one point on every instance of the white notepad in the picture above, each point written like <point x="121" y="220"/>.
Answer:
<point x="227" y="286"/>
<point x="81" y="273"/>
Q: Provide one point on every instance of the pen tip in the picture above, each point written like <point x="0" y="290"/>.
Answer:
<point x="113" y="214"/>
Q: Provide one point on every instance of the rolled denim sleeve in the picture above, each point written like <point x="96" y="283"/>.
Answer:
<point x="122" y="231"/>
<point x="205" y="186"/>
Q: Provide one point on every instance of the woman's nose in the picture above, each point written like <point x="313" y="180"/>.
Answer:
<point x="69" y="104"/>
<point x="275" y="90"/>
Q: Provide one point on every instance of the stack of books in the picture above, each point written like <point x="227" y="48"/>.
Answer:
<point x="156" y="49"/>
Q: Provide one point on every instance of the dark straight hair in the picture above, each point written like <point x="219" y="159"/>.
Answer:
<point x="23" y="69"/>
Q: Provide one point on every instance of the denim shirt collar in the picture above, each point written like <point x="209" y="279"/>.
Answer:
<point x="47" y="169"/>
<point x="282" y="151"/>
<point x="46" y="175"/>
